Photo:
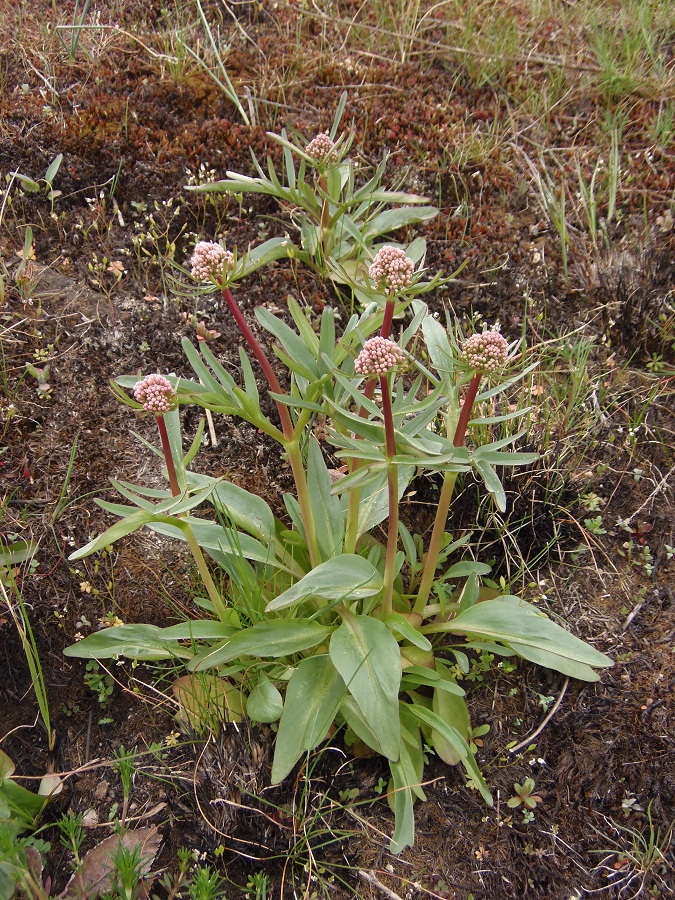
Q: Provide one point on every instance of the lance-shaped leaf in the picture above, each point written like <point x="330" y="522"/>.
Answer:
<point x="128" y="525"/>
<point x="279" y="637"/>
<point x="404" y="815"/>
<point x="327" y="512"/>
<point x="529" y="633"/>
<point x="313" y="697"/>
<point x="346" y="577"/>
<point x="367" y="656"/>
<point x="135" y="642"/>
<point x="457" y="742"/>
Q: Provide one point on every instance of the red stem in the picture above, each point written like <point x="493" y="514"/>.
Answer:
<point x="467" y="406"/>
<point x="259" y="353"/>
<point x="390" y="439"/>
<point x="168" y="456"/>
<point x="385" y="331"/>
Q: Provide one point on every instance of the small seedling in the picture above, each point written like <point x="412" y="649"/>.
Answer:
<point x="524" y="796"/>
<point x="99" y="682"/>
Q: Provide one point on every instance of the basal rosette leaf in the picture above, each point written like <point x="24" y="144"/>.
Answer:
<point x="367" y="656"/>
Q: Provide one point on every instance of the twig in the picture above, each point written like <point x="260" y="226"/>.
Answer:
<point x="372" y="879"/>
<point x="652" y="495"/>
<point x="543" y="725"/>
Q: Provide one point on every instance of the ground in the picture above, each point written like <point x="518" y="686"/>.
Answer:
<point x="492" y="135"/>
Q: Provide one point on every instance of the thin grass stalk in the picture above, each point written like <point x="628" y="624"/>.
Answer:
<point x="20" y="616"/>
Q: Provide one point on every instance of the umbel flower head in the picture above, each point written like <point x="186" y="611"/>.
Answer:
<point x="156" y="394"/>
<point x="320" y="147"/>
<point x="486" y="352"/>
<point x="391" y="269"/>
<point x="208" y="261"/>
<point x="378" y="355"/>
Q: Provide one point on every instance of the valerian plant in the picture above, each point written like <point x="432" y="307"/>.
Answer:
<point x="322" y="624"/>
<point x="340" y="222"/>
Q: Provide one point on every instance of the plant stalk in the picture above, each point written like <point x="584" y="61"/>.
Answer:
<point x="392" y="493"/>
<point x="292" y="447"/>
<point x="212" y="590"/>
<point x="431" y="559"/>
<point x="302" y="490"/>
<point x="259" y="353"/>
<point x="168" y="456"/>
<point x="351" y="534"/>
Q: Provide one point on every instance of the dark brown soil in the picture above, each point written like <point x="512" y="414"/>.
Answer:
<point x="604" y="763"/>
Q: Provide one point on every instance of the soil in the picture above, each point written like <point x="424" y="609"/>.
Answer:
<point x="134" y="128"/>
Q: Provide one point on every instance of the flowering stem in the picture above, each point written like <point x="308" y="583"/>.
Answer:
<point x="259" y="353"/>
<point x="385" y="331"/>
<point x="292" y="444"/>
<point x="392" y="492"/>
<point x="168" y="456"/>
<point x="302" y="490"/>
<point x="465" y="414"/>
<point x="211" y="588"/>
<point x="325" y="215"/>
<point x="431" y="559"/>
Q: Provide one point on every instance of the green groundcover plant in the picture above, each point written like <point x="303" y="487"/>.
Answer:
<point x="337" y="617"/>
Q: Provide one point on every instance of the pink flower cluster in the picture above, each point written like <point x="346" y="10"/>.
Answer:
<point x="486" y="352"/>
<point x="320" y="147"/>
<point x="378" y="355"/>
<point x="208" y="261"/>
<point x="392" y="269"/>
<point x="156" y="394"/>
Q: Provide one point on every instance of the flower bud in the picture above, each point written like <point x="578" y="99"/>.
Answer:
<point x="208" y="261"/>
<point x="156" y="393"/>
<point x="486" y="352"/>
<point x="392" y="270"/>
<point x="320" y="147"/>
<point x="378" y="355"/>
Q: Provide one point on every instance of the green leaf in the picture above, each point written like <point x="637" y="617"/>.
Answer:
<point x="392" y="219"/>
<point x="313" y="697"/>
<point x="327" y="512"/>
<point x="366" y="655"/>
<point x="454" y="712"/>
<point x="404" y="815"/>
<point x="524" y="629"/>
<point x="32" y="187"/>
<point x="54" y="166"/>
<point x="456" y="742"/>
<point x="275" y="638"/>
<point x="290" y="341"/>
<point x="128" y="525"/>
<point x="133" y="641"/>
<point x="492" y="483"/>
<point x="400" y="625"/>
<point x="243" y="509"/>
<point x="467" y="567"/>
<point x="416" y="675"/>
<point x="264" y="703"/>
<point x="345" y="577"/>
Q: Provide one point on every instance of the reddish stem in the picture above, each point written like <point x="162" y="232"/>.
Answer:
<point x="390" y="439"/>
<point x="385" y="331"/>
<point x="259" y="353"/>
<point x="392" y="494"/>
<point x="168" y="456"/>
<point x="465" y="415"/>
